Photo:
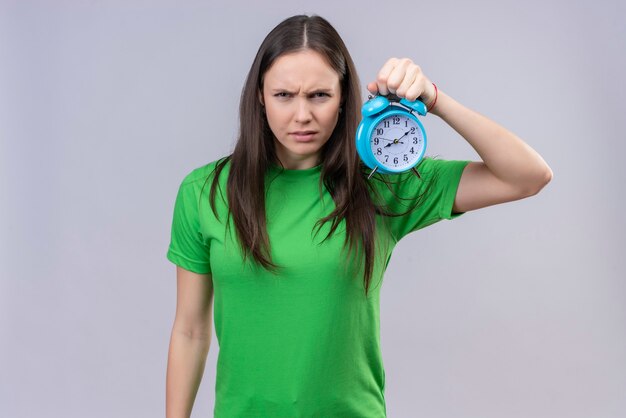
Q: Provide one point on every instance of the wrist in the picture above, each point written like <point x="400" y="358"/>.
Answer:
<point x="445" y="105"/>
<point x="430" y="106"/>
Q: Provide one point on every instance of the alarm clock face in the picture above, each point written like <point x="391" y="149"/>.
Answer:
<point x="397" y="141"/>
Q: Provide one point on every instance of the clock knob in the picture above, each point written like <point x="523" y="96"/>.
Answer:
<point x="375" y="105"/>
<point x="417" y="105"/>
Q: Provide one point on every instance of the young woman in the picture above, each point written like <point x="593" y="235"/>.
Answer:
<point x="290" y="239"/>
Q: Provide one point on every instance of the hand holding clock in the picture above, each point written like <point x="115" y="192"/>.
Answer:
<point x="386" y="117"/>
<point x="405" y="79"/>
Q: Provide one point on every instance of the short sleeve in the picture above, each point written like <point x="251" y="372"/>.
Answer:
<point x="187" y="247"/>
<point x="433" y="195"/>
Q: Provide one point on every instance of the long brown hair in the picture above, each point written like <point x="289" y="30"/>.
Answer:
<point x="343" y="174"/>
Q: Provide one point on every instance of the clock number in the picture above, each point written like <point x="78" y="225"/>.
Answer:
<point x="395" y="160"/>
<point x="396" y="120"/>
<point x="379" y="151"/>
<point x="413" y="130"/>
<point x="379" y="131"/>
<point x="386" y="124"/>
<point x="386" y="157"/>
<point x="412" y="150"/>
<point x="376" y="141"/>
<point x="406" y="159"/>
<point x="415" y="140"/>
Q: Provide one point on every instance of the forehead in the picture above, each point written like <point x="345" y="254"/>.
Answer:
<point x="304" y="69"/>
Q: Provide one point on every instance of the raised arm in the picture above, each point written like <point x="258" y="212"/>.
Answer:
<point x="510" y="169"/>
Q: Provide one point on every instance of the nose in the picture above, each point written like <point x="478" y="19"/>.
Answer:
<point x="303" y="111"/>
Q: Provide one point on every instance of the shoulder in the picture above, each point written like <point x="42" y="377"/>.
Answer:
<point x="428" y="168"/>
<point x="199" y="175"/>
<point x="432" y="174"/>
<point x="198" y="183"/>
<point x="435" y="167"/>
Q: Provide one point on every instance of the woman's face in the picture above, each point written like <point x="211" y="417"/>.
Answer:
<point x="302" y="96"/>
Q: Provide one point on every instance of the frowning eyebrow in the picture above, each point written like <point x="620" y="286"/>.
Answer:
<point x="329" y="91"/>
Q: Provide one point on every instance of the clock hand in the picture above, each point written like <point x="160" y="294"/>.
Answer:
<point x="392" y="143"/>
<point x="405" y="134"/>
<point x="397" y="141"/>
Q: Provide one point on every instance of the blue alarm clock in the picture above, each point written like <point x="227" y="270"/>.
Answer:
<point x="390" y="139"/>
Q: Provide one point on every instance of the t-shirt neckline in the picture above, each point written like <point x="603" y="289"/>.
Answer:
<point x="296" y="173"/>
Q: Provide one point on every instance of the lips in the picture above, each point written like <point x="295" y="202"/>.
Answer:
<point x="303" y="136"/>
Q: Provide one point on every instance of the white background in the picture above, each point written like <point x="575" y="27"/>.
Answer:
<point x="516" y="310"/>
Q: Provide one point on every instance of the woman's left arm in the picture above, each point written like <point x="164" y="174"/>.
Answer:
<point x="510" y="169"/>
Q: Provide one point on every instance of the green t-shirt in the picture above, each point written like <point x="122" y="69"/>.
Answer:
<point x="305" y="343"/>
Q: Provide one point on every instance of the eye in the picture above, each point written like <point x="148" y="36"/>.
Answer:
<point x="282" y="94"/>
<point x="321" y="94"/>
